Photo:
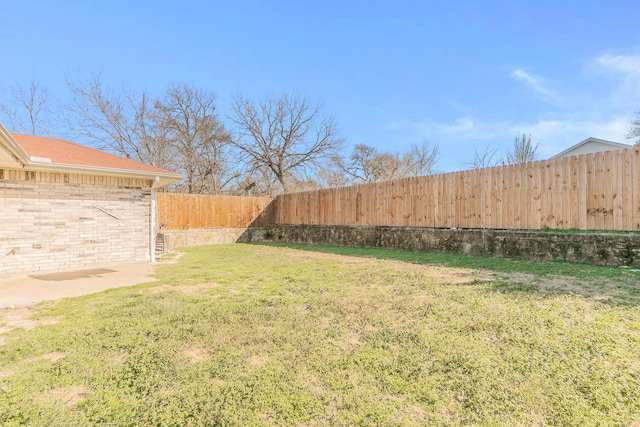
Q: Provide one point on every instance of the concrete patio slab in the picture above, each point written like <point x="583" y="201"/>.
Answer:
<point x="27" y="290"/>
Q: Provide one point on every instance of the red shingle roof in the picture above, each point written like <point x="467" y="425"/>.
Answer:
<point x="68" y="153"/>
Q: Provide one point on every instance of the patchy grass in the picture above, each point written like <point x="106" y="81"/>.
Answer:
<point x="245" y="335"/>
<point x="619" y="285"/>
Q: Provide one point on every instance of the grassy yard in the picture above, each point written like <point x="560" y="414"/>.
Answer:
<point x="241" y="335"/>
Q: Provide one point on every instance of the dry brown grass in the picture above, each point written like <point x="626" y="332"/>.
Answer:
<point x="70" y="396"/>
<point x="196" y="354"/>
<point x="13" y="318"/>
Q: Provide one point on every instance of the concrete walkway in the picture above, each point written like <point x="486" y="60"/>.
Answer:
<point x="46" y="287"/>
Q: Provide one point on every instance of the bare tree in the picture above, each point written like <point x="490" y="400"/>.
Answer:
<point x="190" y="125"/>
<point x="333" y="175"/>
<point x="420" y="160"/>
<point x="523" y="150"/>
<point x="366" y="164"/>
<point x="179" y="131"/>
<point x="26" y="109"/>
<point x="254" y="181"/>
<point x="119" y="122"/>
<point x="486" y="159"/>
<point x="285" y="136"/>
<point x="634" y="130"/>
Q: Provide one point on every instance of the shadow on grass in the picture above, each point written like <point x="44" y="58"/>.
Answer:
<point x="614" y="285"/>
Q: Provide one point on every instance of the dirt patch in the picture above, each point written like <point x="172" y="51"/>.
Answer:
<point x="185" y="289"/>
<point x="171" y="257"/>
<point x="12" y="318"/>
<point x="257" y="360"/>
<point x="217" y="382"/>
<point x="295" y="256"/>
<point x="12" y="315"/>
<point x="353" y="339"/>
<point x="5" y="373"/>
<point x="54" y="356"/>
<point x="195" y="354"/>
<point x="117" y="359"/>
<point x="459" y="276"/>
<point x="69" y="396"/>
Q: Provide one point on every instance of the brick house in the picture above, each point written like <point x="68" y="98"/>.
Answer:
<point x="64" y="206"/>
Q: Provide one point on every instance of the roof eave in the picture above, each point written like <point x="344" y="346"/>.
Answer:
<point x="160" y="179"/>
<point x="12" y="146"/>
<point x="24" y="161"/>
<point x="591" y="139"/>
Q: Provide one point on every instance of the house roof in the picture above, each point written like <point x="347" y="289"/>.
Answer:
<point x="613" y="145"/>
<point x="37" y="152"/>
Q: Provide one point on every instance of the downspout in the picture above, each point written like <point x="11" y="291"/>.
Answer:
<point x="152" y="222"/>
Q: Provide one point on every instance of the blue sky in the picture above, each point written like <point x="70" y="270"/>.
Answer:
<point x="460" y="74"/>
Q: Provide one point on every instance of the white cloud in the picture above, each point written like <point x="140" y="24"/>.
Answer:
<point x="535" y="83"/>
<point x="466" y="126"/>
<point x="602" y="108"/>
<point x="461" y="136"/>
<point x="626" y="64"/>
<point x="557" y="135"/>
<point x="624" y="71"/>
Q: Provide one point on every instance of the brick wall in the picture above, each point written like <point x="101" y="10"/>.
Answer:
<point x="56" y="222"/>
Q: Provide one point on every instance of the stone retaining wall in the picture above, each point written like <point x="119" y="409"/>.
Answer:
<point x="589" y="248"/>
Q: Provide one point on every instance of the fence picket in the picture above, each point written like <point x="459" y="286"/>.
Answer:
<point x="593" y="191"/>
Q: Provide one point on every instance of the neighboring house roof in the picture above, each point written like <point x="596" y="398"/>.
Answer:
<point x="37" y="152"/>
<point x="591" y="145"/>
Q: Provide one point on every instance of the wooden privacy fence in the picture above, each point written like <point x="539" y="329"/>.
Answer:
<point x="178" y="211"/>
<point x="593" y="191"/>
<point x="598" y="191"/>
